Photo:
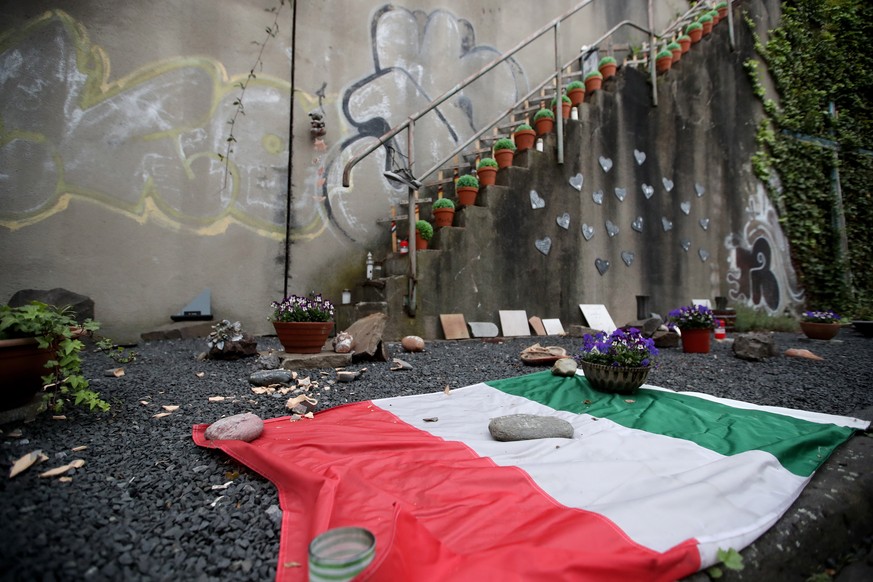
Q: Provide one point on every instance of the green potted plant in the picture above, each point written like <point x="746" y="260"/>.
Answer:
<point x="443" y="212"/>
<point x="822" y="325"/>
<point x="714" y="15"/>
<point x="565" y="106"/>
<point x="504" y="150"/>
<point x="302" y="323"/>
<point x="544" y="121"/>
<point x="37" y="338"/>
<point x="593" y="81"/>
<point x="576" y="92"/>
<point x="695" y="323"/>
<point x="423" y="234"/>
<point x="607" y="67"/>
<point x="467" y="187"/>
<point x="695" y="31"/>
<point x="706" y="22"/>
<point x="722" y="9"/>
<point x="524" y="137"/>
<point x="486" y="169"/>
<point x="663" y="61"/>
<point x="618" y="362"/>
<point x="684" y="42"/>
<point x="676" y="49"/>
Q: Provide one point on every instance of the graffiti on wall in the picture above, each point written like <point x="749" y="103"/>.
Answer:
<point x="760" y="273"/>
<point x="143" y="145"/>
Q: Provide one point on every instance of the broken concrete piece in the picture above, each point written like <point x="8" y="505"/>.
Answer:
<point x="270" y="377"/>
<point x="240" y="427"/>
<point x="367" y="337"/>
<point x="400" y="365"/>
<point x="564" y="367"/>
<point x="537" y="355"/>
<point x="754" y="347"/>
<point x="522" y="427"/>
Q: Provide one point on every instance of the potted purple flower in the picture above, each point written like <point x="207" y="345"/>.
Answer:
<point x="695" y="323"/>
<point x="823" y="325"/>
<point x="302" y="324"/>
<point x="618" y="362"/>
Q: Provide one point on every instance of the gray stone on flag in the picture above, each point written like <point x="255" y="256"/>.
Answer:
<point x="522" y="427"/>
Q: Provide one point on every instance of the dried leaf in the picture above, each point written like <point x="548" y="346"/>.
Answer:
<point x="231" y="475"/>
<point x="63" y="469"/>
<point x="200" y="374"/>
<point x="586" y="401"/>
<point x="170" y="407"/>
<point x="217" y="499"/>
<point x="14" y="434"/>
<point x="161" y="415"/>
<point x="300" y="399"/>
<point x="259" y="390"/>
<point x="216" y="399"/>
<point x="144" y="402"/>
<point x="24" y="463"/>
<point x="304" y="382"/>
<point x="65" y="479"/>
<point x="292" y="565"/>
<point x="308" y="415"/>
<point x="114" y="372"/>
<point x="59" y="417"/>
<point x="630" y="401"/>
<point x="79" y="448"/>
<point x="225" y="486"/>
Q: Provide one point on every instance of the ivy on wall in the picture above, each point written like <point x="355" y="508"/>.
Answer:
<point x="820" y="55"/>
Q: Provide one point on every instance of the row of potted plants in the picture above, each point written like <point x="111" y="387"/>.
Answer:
<point x="694" y="32"/>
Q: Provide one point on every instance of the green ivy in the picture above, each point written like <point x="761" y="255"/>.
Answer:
<point x="820" y="55"/>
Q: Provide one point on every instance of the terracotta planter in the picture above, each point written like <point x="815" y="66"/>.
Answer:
<point x="420" y="243"/>
<point x="685" y="44"/>
<point x="819" y="331"/>
<point x="544" y="125"/>
<point x="443" y="216"/>
<point x="467" y="195"/>
<point x="524" y="139"/>
<point x="593" y="84"/>
<point x="22" y="366"/>
<point x="677" y="54"/>
<point x="487" y="176"/>
<point x="303" y="337"/>
<point x="707" y="27"/>
<point x="615" y="380"/>
<point x="565" y="110"/>
<point x="608" y="70"/>
<point x="663" y="64"/>
<point x="577" y="96"/>
<point x="504" y="157"/>
<point x="696" y="341"/>
<point x="695" y="35"/>
<point x="722" y="13"/>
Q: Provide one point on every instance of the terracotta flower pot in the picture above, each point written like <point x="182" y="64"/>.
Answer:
<point x="303" y="337"/>
<point x="707" y="27"/>
<point x="487" y="176"/>
<point x="443" y="216"/>
<point x="565" y="110"/>
<point x="722" y="12"/>
<point x="685" y="43"/>
<point x="617" y="380"/>
<point x="696" y="341"/>
<point x="467" y="195"/>
<point x="577" y="96"/>
<point x="544" y="125"/>
<point x="524" y="139"/>
<point x="22" y="366"/>
<point x="420" y="243"/>
<point x="677" y="54"/>
<point x="663" y="64"/>
<point x="593" y="84"/>
<point x="504" y="157"/>
<point x="819" y="331"/>
<point x="695" y="35"/>
<point x="608" y="70"/>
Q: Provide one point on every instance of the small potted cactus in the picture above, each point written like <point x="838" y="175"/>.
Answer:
<point x="676" y="49"/>
<point x="565" y="106"/>
<point x="663" y="61"/>
<point x="443" y="212"/>
<point x="706" y="22"/>
<point x="423" y="234"/>
<point x="504" y="150"/>
<point x="576" y="92"/>
<point x="695" y="31"/>
<point x="684" y="42"/>
<point x="524" y="137"/>
<point x="486" y="169"/>
<point x="607" y="66"/>
<point x="593" y="81"/>
<point x="466" y="188"/>
<point x="544" y="121"/>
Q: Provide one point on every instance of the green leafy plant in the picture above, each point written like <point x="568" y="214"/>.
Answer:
<point x="683" y="38"/>
<point x="721" y="5"/>
<point x="564" y="99"/>
<point x="523" y="127"/>
<point x="55" y="328"/>
<point x="117" y="353"/>
<point x="543" y="113"/>
<point x="443" y="203"/>
<point x="593" y="75"/>
<point x="607" y="60"/>
<point x="693" y="26"/>
<point x="485" y="163"/>
<point x="674" y="46"/>
<point x="705" y="18"/>
<point x="425" y="229"/>
<point x="620" y="349"/>
<point x="468" y="181"/>
<point x="573" y="85"/>
<point x="751" y="319"/>
<point x="504" y="143"/>
<point x="730" y="559"/>
<point x="664" y="54"/>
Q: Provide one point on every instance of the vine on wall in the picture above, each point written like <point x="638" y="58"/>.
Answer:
<point x="817" y="56"/>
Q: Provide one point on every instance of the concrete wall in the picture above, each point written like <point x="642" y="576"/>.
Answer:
<point x="113" y="116"/>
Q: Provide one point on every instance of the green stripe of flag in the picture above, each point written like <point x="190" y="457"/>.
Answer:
<point x="799" y="445"/>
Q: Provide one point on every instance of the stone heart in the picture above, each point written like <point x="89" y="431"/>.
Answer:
<point x="704" y="254"/>
<point x="699" y="189"/>
<point x="564" y="220"/>
<point x="640" y="157"/>
<point x="649" y="191"/>
<point x="637" y="224"/>
<point x="627" y="257"/>
<point x="611" y="228"/>
<point x="602" y="265"/>
<point x="536" y="201"/>
<point x="620" y="193"/>
<point x="576" y="181"/>
<point x="667" y="224"/>
<point x="587" y="231"/>
<point x="668" y="184"/>
<point x="686" y="244"/>
<point x="605" y="163"/>
<point x="704" y="223"/>
<point x="686" y="207"/>
<point x="597" y="196"/>
<point x="544" y="245"/>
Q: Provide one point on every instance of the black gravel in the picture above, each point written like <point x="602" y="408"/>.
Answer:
<point x="143" y="507"/>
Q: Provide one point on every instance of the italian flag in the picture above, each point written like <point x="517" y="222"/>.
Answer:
<point x="650" y="487"/>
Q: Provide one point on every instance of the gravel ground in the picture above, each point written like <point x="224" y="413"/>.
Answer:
<point x="143" y="506"/>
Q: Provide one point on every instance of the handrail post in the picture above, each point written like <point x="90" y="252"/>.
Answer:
<point x="652" y="54"/>
<point x="559" y="103"/>
<point x="731" y="25"/>
<point x="410" y="213"/>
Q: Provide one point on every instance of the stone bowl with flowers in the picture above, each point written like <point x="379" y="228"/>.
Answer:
<point x="617" y="363"/>
<point x="820" y="325"/>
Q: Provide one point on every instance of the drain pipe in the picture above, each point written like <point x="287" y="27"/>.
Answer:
<point x="411" y="196"/>
<point x="559" y="105"/>
<point x="652" y="53"/>
<point x="288" y="206"/>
